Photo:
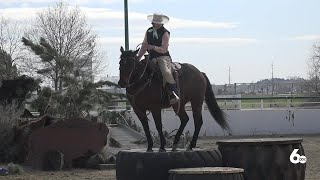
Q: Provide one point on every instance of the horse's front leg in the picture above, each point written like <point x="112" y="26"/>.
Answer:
<point x="144" y="121"/>
<point x="157" y="119"/>
<point x="184" y="118"/>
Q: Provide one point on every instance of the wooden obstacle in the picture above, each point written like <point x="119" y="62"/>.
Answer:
<point x="206" y="173"/>
<point x="264" y="159"/>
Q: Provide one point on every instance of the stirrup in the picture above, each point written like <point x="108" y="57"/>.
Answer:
<point x="175" y="99"/>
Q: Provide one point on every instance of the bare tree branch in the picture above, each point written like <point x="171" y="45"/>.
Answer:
<point x="314" y="70"/>
<point x="10" y="35"/>
<point x="65" y="29"/>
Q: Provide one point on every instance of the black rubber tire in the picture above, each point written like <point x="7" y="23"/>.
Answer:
<point x="137" y="164"/>
<point x="264" y="158"/>
<point x="54" y="161"/>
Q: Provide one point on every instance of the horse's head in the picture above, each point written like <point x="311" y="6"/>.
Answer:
<point x="127" y="64"/>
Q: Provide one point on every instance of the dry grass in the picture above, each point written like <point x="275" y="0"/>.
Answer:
<point x="15" y="169"/>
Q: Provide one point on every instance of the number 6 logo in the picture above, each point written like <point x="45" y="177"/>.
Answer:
<point x="295" y="158"/>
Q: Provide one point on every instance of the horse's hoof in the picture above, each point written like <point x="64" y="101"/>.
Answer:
<point x="162" y="150"/>
<point x="149" y="150"/>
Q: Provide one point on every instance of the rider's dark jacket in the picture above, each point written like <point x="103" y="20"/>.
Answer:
<point x="152" y="40"/>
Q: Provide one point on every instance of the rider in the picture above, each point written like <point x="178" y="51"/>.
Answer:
<point x="156" y="41"/>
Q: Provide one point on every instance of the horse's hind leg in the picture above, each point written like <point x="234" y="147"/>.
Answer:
<point x="197" y="117"/>
<point x="184" y="118"/>
<point x="157" y="120"/>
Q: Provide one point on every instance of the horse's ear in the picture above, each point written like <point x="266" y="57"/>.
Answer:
<point x="136" y="51"/>
<point x="121" y="49"/>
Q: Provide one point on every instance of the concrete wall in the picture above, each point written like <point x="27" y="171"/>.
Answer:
<point x="248" y="122"/>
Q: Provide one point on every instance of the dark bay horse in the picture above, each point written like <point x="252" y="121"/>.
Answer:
<point x="144" y="94"/>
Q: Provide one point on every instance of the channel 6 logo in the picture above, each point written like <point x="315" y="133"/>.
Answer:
<point x="295" y="158"/>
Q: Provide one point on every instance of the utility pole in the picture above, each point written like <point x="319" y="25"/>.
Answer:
<point x="126" y="27"/>
<point x="229" y="76"/>
<point x="272" y="80"/>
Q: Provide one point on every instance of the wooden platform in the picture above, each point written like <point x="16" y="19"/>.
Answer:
<point x="207" y="170"/>
<point x="207" y="173"/>
<point x="260" y="141"/>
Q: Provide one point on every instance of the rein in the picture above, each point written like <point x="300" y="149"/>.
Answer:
<point x="132" y="95"/>
<point x="134" y="66"/>
<point x="140" y="89"/>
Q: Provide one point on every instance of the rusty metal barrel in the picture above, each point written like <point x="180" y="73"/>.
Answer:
<point x="207" y="173"/>
<point x="265" y="158"/>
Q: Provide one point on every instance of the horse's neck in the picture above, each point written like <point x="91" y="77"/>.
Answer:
<point x="140" y="77"/>
<point x="137" y="73"/>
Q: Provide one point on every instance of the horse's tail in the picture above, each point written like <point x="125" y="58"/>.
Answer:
<point x="214" y="108"/>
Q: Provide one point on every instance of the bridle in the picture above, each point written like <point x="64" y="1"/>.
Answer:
<point x="133" y="69"/>
<point x="130" y="85"/>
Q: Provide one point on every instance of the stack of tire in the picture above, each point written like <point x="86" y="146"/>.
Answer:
<point x="137" y="164"/>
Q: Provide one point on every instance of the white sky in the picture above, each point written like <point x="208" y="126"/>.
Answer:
<point x="246" y="35"/>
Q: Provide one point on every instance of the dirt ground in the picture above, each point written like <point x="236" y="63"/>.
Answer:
<point x="311" y="144"/>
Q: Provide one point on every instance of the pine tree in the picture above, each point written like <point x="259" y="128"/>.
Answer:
<point x="8" y="70"/>
<point x="75" y="94"/>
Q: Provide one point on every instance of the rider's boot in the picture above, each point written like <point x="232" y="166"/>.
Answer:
<point x="174" y="98"/>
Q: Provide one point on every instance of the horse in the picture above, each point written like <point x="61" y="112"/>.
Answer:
<point x="144" y="92"/>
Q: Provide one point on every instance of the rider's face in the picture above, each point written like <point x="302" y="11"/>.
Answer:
<point x="156" y="25"/>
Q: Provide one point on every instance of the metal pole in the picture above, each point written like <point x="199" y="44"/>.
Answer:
<point x="272" y="80"/>
<point x="126" y="27"/>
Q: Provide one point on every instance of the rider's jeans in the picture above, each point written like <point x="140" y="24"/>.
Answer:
<point x="164" y="63"/>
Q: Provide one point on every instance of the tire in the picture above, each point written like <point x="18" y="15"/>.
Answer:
<point x="54" y="161"/>
<point x="264" y="158"/>
<point x="136" y="164"/>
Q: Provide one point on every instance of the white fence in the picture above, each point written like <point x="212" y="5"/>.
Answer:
<point x="248" y="122"/>
<point x="261" y="116"/>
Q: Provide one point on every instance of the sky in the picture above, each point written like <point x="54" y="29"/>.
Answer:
<point x="247" y="36"/>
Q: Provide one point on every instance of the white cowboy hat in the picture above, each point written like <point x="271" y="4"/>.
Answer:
<point x="158" y="18"/>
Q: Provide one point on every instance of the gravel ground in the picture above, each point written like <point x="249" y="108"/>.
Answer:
<point x="311" y="144"/>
